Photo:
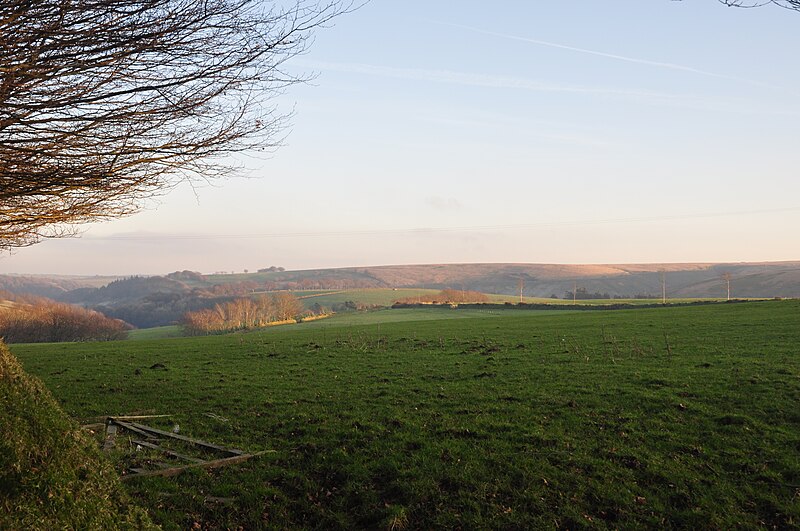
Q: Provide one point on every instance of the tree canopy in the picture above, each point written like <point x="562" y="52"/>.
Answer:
<point x="104" y="103"/>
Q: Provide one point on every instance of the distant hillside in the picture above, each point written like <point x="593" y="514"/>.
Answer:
<point x="51" y="286"/>
<point x="149" y="301"/>
<point x="159" y="300"/>
<point x="36" y="319"/>
<point x="132" y="288"/>
<point x="768" y="279"/>
<point x="162" y="300"/>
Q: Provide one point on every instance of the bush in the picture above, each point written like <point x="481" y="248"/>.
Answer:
<point x="452" y="296"/>
<point x="52" y="476"/>
<point x="243" y="313"/>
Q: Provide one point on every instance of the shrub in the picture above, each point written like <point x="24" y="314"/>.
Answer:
<point x="52" y="476"/>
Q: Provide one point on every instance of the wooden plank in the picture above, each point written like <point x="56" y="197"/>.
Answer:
<point x="183" y="438"/>
<point x="111" y="437"/>
<point x="169" y="452"/>
<point x="139" y="417"/>
<point x="167" y="472"/>
<point x="129" y="426"/>
<point x="123" y="417"/>
<point x="139" y="470"/>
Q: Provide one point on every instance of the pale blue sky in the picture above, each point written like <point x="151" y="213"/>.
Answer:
<point x="517" y="131"/>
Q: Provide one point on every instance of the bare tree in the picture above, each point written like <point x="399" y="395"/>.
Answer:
<point x="105" y="103"/>
<point x="788" y="4"/>
<point x="286" y="306"/>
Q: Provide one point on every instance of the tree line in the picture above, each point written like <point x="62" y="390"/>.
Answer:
<point x="162" y="300"/>
<point x="584" y="294"/>
<point x="31" y="319"/>
<point x="451" y="296"/>
<point x="243" y="313"/>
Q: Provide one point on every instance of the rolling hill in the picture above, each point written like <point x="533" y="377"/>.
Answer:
<point x="160" y="300"/>
<point x="748" y="279"/>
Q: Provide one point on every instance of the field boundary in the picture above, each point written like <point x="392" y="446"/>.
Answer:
<point x="563" y="306"/>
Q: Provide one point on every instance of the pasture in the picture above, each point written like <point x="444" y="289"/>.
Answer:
<point x="665" y="417"/>
<point x="384" y="296"/>
<point x="387" y="296"/>
<point x="158" y="332"/>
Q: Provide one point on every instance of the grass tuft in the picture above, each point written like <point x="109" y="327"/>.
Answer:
<point x="51" y="474"/>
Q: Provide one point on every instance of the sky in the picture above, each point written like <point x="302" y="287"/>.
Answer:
<point x="626" y="131"/>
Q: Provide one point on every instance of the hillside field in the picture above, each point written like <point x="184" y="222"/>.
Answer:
<point x="667" y="417"/>
<point x="689" y="280"/>
<point x="156" y="301"/>
<point x="387" y="296"/>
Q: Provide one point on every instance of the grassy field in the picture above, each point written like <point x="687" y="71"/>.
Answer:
<point x="381" y="297"/>
<point x="159" y="332"/>
<point x="411" y="315"/>
<point x="377" y="317"/>
<point x="668" y="417"/>
<point x="378" y="296"/>
<point x="387" y="296"/>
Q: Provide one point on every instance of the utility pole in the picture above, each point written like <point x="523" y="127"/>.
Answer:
<point x="663" y="274"/>
<point x="727" y="278"/>
<point x="574" y="291"/>
<point x="521" y="285"/>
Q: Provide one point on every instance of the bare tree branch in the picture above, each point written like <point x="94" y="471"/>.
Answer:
<point x="104" y="103"/>
<point x="787" y="4"/>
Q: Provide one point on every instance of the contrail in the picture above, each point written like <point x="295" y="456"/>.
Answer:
<point x="659" y="64"/>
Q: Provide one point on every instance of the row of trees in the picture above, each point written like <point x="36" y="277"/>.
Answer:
<point x="583" y="294"/>
<point x="243" y="313"/>
<point x="157" y="301"/>
<point x="447" y="296"/>
<point x="40" y="320"/>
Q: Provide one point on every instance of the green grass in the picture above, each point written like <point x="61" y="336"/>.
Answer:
<point x="377" y="296"/>
<point x="636" y="302"/>
<point x="159" y="332"/>
<point x="369" y="296"/>
<point x="403" y="315"/>
<point x="374" y="317"/>
<point x="657" y="418"/>
<point x="51" y="475"/>
<point x="387" y="296"/>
